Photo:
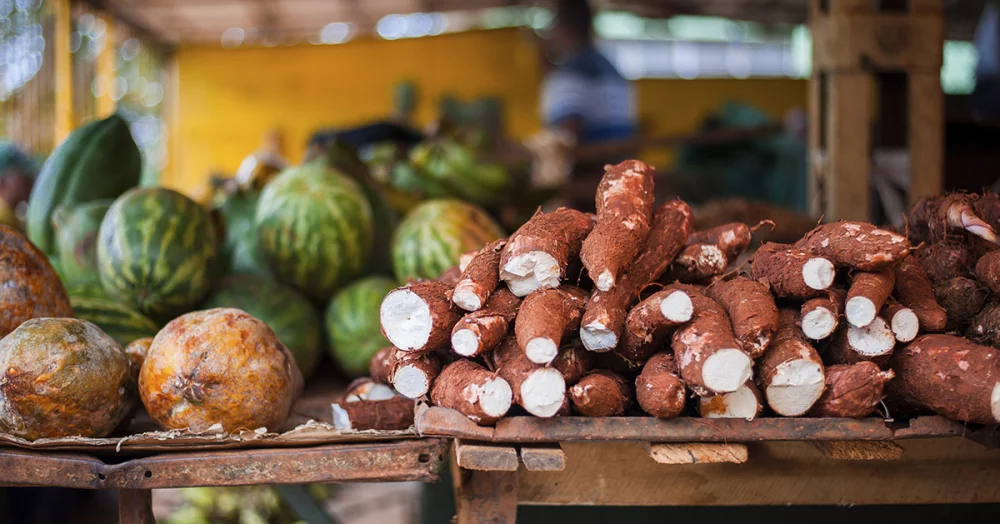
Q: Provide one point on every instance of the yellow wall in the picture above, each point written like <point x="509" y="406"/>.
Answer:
<point x="225" y="99"/>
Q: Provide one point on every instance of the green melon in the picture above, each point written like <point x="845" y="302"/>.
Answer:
<point x="288" y="313"/>
<point x="314" y="229"/>
<point x="155" y="251"/>
<point x="352" y="323"/>
<point x="240" y="243"/>
<point x="435" y="234"/>
<point x="76" y="227"/>
<point x="117" y="320"/>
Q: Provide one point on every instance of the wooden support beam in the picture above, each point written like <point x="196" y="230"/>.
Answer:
<point x="107" y="67"/>
<point x="926" y="135"/>
<point x="543" y="458"/>
<point x="485" y="457"/>
<point x="848" y="132"/>
<point x="696" y="453"/>
<point x="135" y="506"/>
<point x="65" y="121"/>
<point x="859" y="450"/>
<point x="484" y="496"/>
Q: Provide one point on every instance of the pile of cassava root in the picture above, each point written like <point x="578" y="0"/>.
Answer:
<point x="593" y="315"/>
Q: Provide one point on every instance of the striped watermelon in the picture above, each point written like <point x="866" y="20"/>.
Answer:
<point x="314" y="229"/>
<point x="117" y="320"/>
<point x="155" y="251"/>
<point x="288" y="313"/>
<point x="432" y="237"/>
<point x="352" y="323"/>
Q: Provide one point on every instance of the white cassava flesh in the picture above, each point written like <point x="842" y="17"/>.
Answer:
<point x="905" y="325"/>
<point x="596" y="337"/>
<point x="605" y="281"/>
<point x="529" y="272"/>
<point x="543" y="392"/>
<point x="677" y="307"/>
<point x="819" y="323"/>
<point x="860" y="311"/>
<point x="406" y="319"/>
<point x="995" y="402"/>
<point x="741" y="403"/>
<point x="341" y="419"/>
<point x="541" y="350"/>
<point x="875" y="339"/>
<point x="494" y="396"/>
<point x="726" y="370"/>
<point x="795" y="387"/>
<point x="465" y="297"/>
<point x="411" y="381"/>
<point x="818" y="273"/>
<point x="465" y="342"/>
<point x="371" y="391"/>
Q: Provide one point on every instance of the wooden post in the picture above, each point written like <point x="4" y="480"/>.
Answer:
<point x="484" y="496"/>
<point x="135" y="506"/>
<point x="63" y="58"/>
<point x="107" y="68"/>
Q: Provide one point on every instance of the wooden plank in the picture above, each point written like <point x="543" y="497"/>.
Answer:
<point x="816" y="202"/>
<point x="926" y="135"/>
<point x="484" y="496"/>
<point x="485" y="457"/>
<point x="848" y="146"/>
<point x="107" y="68"/>
<point x="135" y="506"/>
<point x="543" y="458"/>
<point x="63" y="27"/>
<point x="857" y="450"/>
<point x="870" y="6"/>
<point x="932" y="471"/>
<point x="883" y="41"/>
<point x="696" y="453"/>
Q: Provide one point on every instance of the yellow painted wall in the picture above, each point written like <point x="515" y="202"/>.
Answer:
<point x="225" y="99"/>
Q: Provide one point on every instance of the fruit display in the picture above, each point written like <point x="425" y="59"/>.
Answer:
<point x="314" y="229"/>
<point x="239" y="254"/>
<point x="63" y="377"/>
<point x="99" y="160"/>
<point x="76" y="228"/>
<point x="156" y="251"/>
<point x="119" y="321"/>
<point x="446" y="168"/>
<point x="218" y="366"/>
<point x="31" y="289"/>
<point x="435" y="234"/>
<point x="352" y="325"/>
<point x="284" y="310"/>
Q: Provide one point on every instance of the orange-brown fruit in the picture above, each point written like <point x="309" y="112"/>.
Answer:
<point x="62" y="377"/>
<point x="29" y="287"/>
<point x="136" y="351"/>
<point x="218" y="366"/>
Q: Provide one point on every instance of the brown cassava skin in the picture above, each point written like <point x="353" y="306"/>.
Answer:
<point x="428" y="363"/>
<point x="732" y="238"/>
<point x="708" y="331"/>
<point x="559" y="234"/>
<point x="789" y="344"/>
<point x="934" y="218"/>
<point x="616" y="362"/>
<point x="30" y="287"/>
<point x="601" y="393"/>
<point x="832" y="302"/>
<point x="751" y="309"/>
<point x="698" y="263"/>
<point x="380" y="364"/>
<point x="454" y="387"/>
<point x="444" y="317"/>
<point x="624" y="211"/>
<point x="659" y="391"/>
<point x="549" y="313"/>
<point x="985" y="326"/>
<point x="136" y="351"/>
<point x="852" y="391"/>
<point x="62" y="377"/>
<point x="873" y="285"/>
<point x="671" y="226"/>
<point x="394" y="414"/>
<point x="961" y="298"/>
<point x="779" y="266"/>
<point x="490" y="324"/>
<point x="945" y="260"/>
<point x="218" y="366"/>
<point x="915" y="291"/>
<point x="859" y="245"/>
<point x="450" y="276"/>
<point x="573" y="361"/>
<point x="482" y="274"/>
<point x="716" y="405"/>
<point x="988" y="270"/>
<point x="646" y="328"/>
<point x="948" y="375"/>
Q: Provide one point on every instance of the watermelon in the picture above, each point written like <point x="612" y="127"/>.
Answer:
<point x="117" y="320"/>
<point x="76" y="228"/>
<point x="288" y="313"/>
<point x="435" y="234"/>
<point x="156" y="251"/>
<point x="240" y="243"/>
<point x="352" y="323"/>
<point x="314" y="229"/>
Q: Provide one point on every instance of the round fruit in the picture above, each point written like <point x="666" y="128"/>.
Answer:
<point x="119" y="321"/>
<point x="155" y="251"/>
<point x="76" y="238"/>
<point x="62" y="377"/>
<point x="137" y="350"/>
<point x="218" y="366"/>
<point x="314" y="229"/>
<point x="435" y="234"/>
<point x="352" y="323"/>
<point x="31" y="288"/>
<point x="288" y="313"/>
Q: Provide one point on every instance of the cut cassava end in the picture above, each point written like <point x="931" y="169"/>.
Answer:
<point x="479" y="278"/>
<point x="902" y="321"/>
<point x="480" y="331"/>
<point x="791" y="272"/>
<point x="852" y="390"/>
<point x="624" y="211"/>
<point x="418" y="316"/>
<point x="732" y="238"/>
<point x="659" y="390"/>
<point x="470" y="389"/>
<point x="915" y="291"/>
<point x="746" y="403"/>
<point x="604" y="317"/>
<point x="602" y="393"/>
<point x="651" y="321"/>
<point x="962" y="298"/>
<point x="952" y="212"/>
<point x="545" y="318"/>
<point x="820" y="316"/>
<point x="951" y="376"/>
<point x="859" y="245"/>
<point x="367" y="389"/>
<point x="751" y="310"/>
<point x="868" y="292"/>
<point x="791" y="373"/>
<point x="380" y="364"/>
<point x="988" y="270"/>
<point x="539" y="253"/>
<point x="393" y="414"/>
<point x="699" y="262"/>
<point x="540" y="390"/>
<point x="709" y="357"/>
<point x="413" y="373"/>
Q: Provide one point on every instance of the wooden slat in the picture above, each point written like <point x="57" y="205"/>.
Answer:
<point x="484" y="496"/>
<point x="543" y="458"/>
<point x="485" y="457"/>
<point x="926" y="140"/>
<point x="856" y="450"/>
<point x="64" y="118"/>
<point x="107" y="65"/>
<point x="696" y="453"/>
<point x="848" y="146"/>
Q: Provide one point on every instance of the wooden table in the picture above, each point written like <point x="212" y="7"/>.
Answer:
<point x="640" y="461"/>
<point x="402" y="460"/>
